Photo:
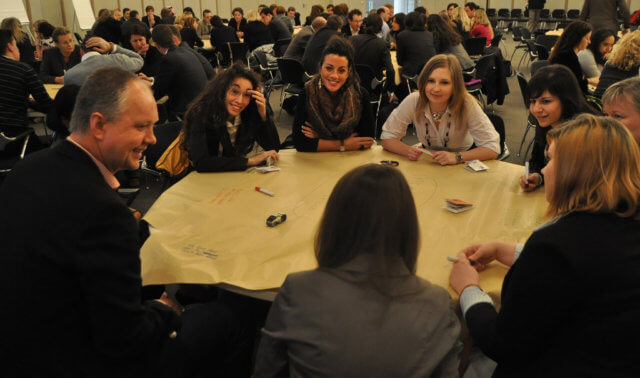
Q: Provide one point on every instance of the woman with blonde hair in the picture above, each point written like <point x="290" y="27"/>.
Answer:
<point x="482" y="26"/>
<point x="189" y="33"/>
<point x="462" y="21"/>
<point x="448" y="120"/>
<point x="572" y="288"/>
<point x="623" y="62"/>
<point x="26" y="48"/>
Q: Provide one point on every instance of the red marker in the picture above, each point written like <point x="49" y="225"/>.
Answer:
<point x="265" y="191"/>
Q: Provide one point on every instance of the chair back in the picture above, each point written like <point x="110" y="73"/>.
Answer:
<point x="261" y="57"/>
<point x="238" y="52"/>
<point x="522" y="83"/>
<point x="281" y="46"/>
<point x="13" y="146"/>
<point x="498" y="124"/>
<point x="536" y="65"/>
<point x="545" y="13"/>
<point x="503" y="12"/>
<point x="526" y="33"/>
<point x="475" y="46"/>
<point x="517" y="34"/>
<point x="497" y="37"/>
<point x="367" y="77"/>
<point x="165" y="133"/>
<point x="491" y="12"/>
<point x="291" y="71"/>
<point x="558" y="14"/>
<point x="516" y="13"/>
<point x="547" y="41"/>
<point x="573" y="14"/>
<point x="542" y="51"/>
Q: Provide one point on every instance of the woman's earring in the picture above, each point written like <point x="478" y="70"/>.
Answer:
<point x="320" y="83"/>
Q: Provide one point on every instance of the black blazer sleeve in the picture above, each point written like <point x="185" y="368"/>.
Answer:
<point x="536" y="293"/>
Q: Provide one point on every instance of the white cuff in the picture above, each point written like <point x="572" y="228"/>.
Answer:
<point x="472" y="295"/>
<point x="519" y="248"/>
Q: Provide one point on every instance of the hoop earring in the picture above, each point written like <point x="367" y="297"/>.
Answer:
<point x="319" y="83"/>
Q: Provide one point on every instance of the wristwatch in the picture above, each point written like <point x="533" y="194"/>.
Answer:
<point x="342" y="147"/>
<point x="459" y="158"/>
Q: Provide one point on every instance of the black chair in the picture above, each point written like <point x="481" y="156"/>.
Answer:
<point x="558" y="14"/>
<point x="531" y="120"/>
<point x="503" y="18"/>
<point x="485" y="65"/>
<point x="498" y="124"/>
<point x="280" y="47"/>
<point x="547" y="41"/>
<point x="491" y="12"/>
<point x="542" y="51"/>
<point x="475" y="46"/>
<point x="374" y="86"/>
<point x="238" y="52"/>
<point x="292" y="73"/>
<point x="545" y="17"/>
<point x="531" y="51"/>
<point x="165" y="134"/>
<point x="573" y="14"/>
<point x="13" y="146"/>
<point x="535" y="66"/>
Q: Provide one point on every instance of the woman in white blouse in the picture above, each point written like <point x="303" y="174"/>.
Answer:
<point x="448" y="120"/>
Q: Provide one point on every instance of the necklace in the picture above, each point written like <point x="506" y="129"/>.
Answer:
<point x="438" y="116"/>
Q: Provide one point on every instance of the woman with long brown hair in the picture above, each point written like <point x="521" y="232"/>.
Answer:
<point x="448" y="120"/>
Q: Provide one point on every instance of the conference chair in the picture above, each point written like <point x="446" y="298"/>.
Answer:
<point x="292" y="74"/>
<point x="238" y="52"/>
<point x="531" y="120"/>
<point x="498" y="124"/>
<point x="280" y="47"/>
<point x="573" y="14"/>
<point x="375" y="87"/>
<point x="13" y="146"/>
<point x="542" y="51"/>
<point x="165" y="134"/>
<point x="536" y="65"/>
<point x="475" y="46"/>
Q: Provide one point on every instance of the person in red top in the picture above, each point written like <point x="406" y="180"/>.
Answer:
<point x="482" y="26"/>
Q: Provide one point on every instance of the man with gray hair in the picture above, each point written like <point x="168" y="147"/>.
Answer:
<point x="72" y="294"/>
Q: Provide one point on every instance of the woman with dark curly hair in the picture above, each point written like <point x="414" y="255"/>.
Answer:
<point x="224" y="122"/>
<point x="575" y="38"/>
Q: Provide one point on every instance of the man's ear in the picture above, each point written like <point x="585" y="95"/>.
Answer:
<point x="97" y="123"/>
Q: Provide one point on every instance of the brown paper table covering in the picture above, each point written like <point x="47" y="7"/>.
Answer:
<point x="210" y="228"/>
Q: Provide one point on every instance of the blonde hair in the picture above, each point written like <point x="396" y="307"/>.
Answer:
<point x="627" y="88"/>
<point x="483" y="19"/>
<point x="460" y="98"/>
<point x="460" y="15"/>
<point x="626" y="53"/>
<point x="13" y="25"/>
<point x="253" y="15"/>
<point x="597" y="168"/>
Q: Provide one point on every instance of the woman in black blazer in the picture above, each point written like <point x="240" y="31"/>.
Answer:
<point x="224" y="123"/>
<point x="188" y="32"/>
<point x="576" y="37"/>
<point x="571" y="299"/>
<point x="238" y="23"/>
<point x="57" y="60"/>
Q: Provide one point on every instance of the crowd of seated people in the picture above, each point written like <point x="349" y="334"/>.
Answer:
<point x="134" y="72"/>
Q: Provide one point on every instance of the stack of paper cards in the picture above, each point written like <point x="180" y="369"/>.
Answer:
<point x="476" y="166"/>
<point x="267" y="169"/>
<point x="457" y="206"/>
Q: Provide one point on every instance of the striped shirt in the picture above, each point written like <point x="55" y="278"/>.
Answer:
<point x="17" y="82"/>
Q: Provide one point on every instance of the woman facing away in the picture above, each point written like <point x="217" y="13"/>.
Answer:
<point x="448" y="120"/>
<point x="363" y="312"/>
<point x="333" y="111"/>
<point x="554" y="97"/>
<point x="447" y="41"/>
<point x="571" y="298"/>
<point x="223" y="124"/>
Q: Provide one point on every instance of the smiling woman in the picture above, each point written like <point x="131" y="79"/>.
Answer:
<point x="554" y="97"/>
<point x="333" y="111"/>
<point x="448" y="120"/>
<point x="223" y="124"/>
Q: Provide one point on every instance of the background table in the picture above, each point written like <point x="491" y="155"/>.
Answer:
<point x="210" y="228"/>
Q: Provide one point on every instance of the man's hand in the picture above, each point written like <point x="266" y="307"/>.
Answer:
<point x="99" y="45"/>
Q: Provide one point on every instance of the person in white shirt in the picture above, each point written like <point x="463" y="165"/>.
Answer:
<point x="448" y="120"/>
